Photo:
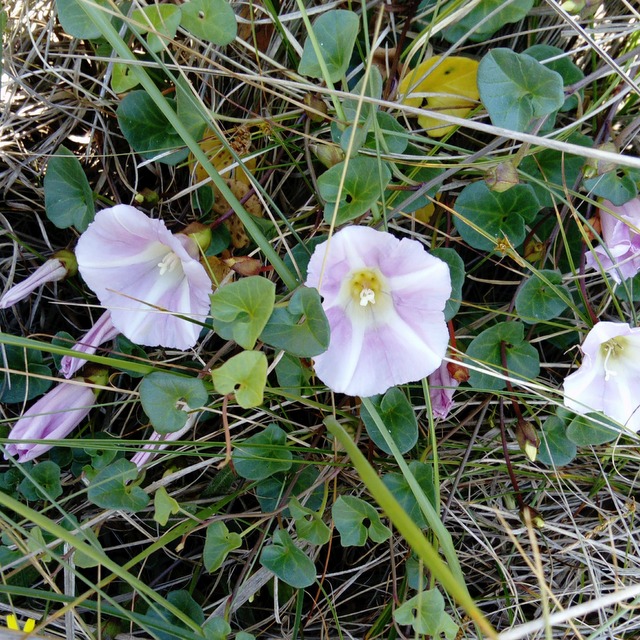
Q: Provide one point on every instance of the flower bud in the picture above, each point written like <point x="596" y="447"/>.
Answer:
<point x="595" y="167"/>
<point x="244" y="265"/>
<point x="527" y="438"/>
<point x="317" y="108"/>
<point x="529" y="515"/>
<point x="458" y="371"/>
<point x="200" y="233"/>
<point x="61" y="265"/>
<point x="329" y="155"/>
<point x="101" y="332"/>
<point x="147" y="197"/>
<point x="502" y="177"/>
<point x="534" y="250"/>
<point x="53" y="417"/>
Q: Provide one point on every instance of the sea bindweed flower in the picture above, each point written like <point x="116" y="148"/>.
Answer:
<point x="384" y="300"/>
<point x="60" y="266"/>
<point x="619" y="255"/>
<point x="146" y="276"/>
<point x="52" y="417"/>
<point x="609" y="377"/>
<point x="101" y="332"/>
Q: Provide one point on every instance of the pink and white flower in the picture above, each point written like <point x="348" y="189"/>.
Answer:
<point x="61" y="265"/>
<point x="608" y="379"/>
<point x="148" y="278"/>
<point x="52" y="417"/>
<point x="384" y="299"/>
<point x="101" y="332"/>
<point x="619" y="255"/>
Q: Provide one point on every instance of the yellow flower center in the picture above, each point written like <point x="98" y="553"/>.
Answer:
<point x="365" y="286"/>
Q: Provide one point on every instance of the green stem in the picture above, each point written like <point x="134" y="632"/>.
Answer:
<point x="432" y="517"/>
<point x="408" y="528"/>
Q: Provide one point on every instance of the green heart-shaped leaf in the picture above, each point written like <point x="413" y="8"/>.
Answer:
<point x="211" y="20"/>
<point x="397" y="415"/>
<point x="288" y="562"/>
<point x="522" y="359"/>
<point x="166" y="398"/>
<point x="301" y="328"/>
<point x="262" y="455"/>
<point x="245" y="375"/>
<point x="542" y="297"/>
<point x="515" y="88"/>
<point x="111" y="488"/>
<point x="357" y="521"/>
<point x="147" y="129"/>
<point x="68" y="199"/>
<point x="335" y="33"/>
<point x="218" y="544"/>
<point x="364" y="182"/>
<point x="240" y="310"/>
<point x="486" y="217"/>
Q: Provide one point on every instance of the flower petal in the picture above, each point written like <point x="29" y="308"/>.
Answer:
<point x="608" y="378"/>
<point x="398" y="338"/>
<point x="619" y="255"/>
<point x="145" y="276"/>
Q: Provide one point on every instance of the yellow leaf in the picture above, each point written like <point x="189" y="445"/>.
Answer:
<point x="450" y="85"/>
<point x="237" y="179"/>
<point x="221" y="159"/>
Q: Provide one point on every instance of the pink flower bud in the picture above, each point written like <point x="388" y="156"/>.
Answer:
<point x="441" y="387"/>
<point x="619" y="255"/>
<point x="52" y="417"/>
<point x="101" y="332"/>
<point x="57" y="268"/>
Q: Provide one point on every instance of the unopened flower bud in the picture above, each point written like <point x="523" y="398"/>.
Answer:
<point x="502" y="177"/>
<point x="61" y="265"/>
<point x="458" y="371"/>
<point x="529" y="515"/>
<point x="585" y="8"/>
<point x="147" y="197"/>
<point x="595" y="167"/>
<point x="329" y="155"/>
<point x="101" y="332"/>
<point x="527" y="438"/>
<point x="317" y="108"/>
<point x="200" y="233"/>
<point x="53" y="417"/>
<point x="534" y="250"/>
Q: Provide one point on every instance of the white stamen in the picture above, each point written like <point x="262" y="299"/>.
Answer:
<point x="367" y="296"/>
<point x="607" y="373"/>
<point x="168" y="263"/>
